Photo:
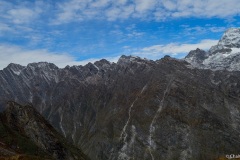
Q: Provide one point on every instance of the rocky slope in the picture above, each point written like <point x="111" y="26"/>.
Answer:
<point x="224" y="55"/>
<point x="137" y="108"/>
<point x="25" y="134"/>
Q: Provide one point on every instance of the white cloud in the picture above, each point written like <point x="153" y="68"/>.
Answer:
<point x="173" y="49"/>
<point x="198" y="30"/>
<point x="21" y="13"/>
<point x="169" y="5"/>
<point x="80" y="10"/>
<point x="143" y="5"/>
<point x="206" y="8"/>
<point x="4" y="27"/>
<point x="113" y="13"/>
<point x="217" y="29"/>
<point x="18" y="55"/>
<point x="100" y="3"/>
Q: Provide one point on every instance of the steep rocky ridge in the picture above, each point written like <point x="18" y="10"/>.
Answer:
<point x="135" y="108"/>
<point x="24" y="130"/>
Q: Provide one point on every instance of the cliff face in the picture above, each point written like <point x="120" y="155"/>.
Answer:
<point x="26" y="133"/>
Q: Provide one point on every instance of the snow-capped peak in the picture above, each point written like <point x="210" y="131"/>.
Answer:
<point x="231" y="38"/>
<point x="127" y="59"/>
<point x="224" y="55"/>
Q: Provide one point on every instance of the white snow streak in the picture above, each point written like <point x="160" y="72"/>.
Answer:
<point x="126" y="147"/>
<point x="16" y="72"/>
<point x="123" y="133"/>
<point x="186" y="137"/>
<point x="96" y="67"/>
<point x="60" y="124"/>
<point x="152" y="128"/>
<point x="123" y="136"/>
<point x="74" y="131"/>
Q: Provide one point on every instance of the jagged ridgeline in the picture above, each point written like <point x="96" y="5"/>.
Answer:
<point x="138" y="108"/>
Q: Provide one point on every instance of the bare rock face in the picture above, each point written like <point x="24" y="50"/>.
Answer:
<point x="132" y="109"/>
<point x="26" y="121"/>
<point x="224" y="55"/>
<point x="196" y="57"/>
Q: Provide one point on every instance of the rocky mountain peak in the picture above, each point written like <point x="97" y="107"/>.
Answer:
<point x="196" y="56"/>
<point x="15" y="68"/>
<point x="198" y="52"/>
<point x="231" y="38"/>
<point x="230" y="41"/>
<point x="102" y="63"/>
<point x="224" y="55"/>
<point x="42" y="65"/>
<point x="127" y="59"/>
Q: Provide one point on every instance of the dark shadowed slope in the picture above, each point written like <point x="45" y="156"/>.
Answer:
<point x="25" y="133"/>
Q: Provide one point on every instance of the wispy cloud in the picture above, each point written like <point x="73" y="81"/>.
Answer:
<point x="217" y="29"/>
<point x="173" y="49"/>
<point x="18" y="55"/>
<point x="30" y="16"/>
<point x="5" y="28"/>
<point x="76" y="10"/>
<point x="66" y="11"/>
<point x="19" y="18"/>
<point x="22" y="13"/>
<point x="197" y="30"/>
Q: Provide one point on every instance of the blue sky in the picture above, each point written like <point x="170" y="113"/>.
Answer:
<point x="80" y="31"/>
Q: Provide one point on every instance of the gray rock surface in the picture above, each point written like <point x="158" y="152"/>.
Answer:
<point x="135" y="108"/>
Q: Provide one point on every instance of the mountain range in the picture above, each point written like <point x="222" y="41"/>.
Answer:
<point x="133" y="109"/>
